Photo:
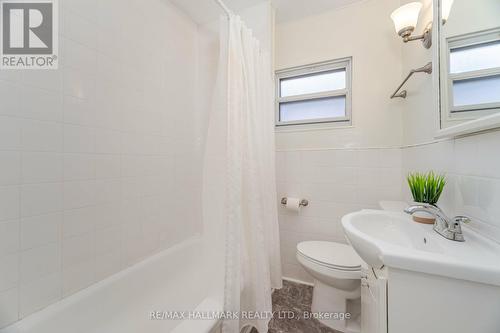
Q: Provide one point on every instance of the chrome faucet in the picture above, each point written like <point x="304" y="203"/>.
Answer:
<point x="448" y="228"/>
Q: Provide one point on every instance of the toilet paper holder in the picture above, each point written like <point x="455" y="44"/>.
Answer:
<point x="303" y="202"/>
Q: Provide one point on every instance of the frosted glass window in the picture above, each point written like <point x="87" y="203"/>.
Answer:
<point x="314" y="109"/>
<point x="317" y="93"/>
<point x="476" y="91"/>
<point x="313" y="83"/>
<point x="474" y="58"/>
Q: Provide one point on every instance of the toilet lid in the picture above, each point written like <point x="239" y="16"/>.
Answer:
<point x="332" y="254"/>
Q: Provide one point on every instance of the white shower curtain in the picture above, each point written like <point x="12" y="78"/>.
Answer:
<point x="240" y="184"/>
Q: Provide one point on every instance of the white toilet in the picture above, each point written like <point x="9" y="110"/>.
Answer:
<point x="336" y="269"/>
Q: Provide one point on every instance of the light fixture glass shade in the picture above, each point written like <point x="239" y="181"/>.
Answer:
<point x="446" y="9"/>
<point x="406" y="16"/>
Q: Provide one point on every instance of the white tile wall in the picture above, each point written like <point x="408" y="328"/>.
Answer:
<point x="472" y="166"/>
<point x="335" y="182"/>
<point x="99" y="160"/>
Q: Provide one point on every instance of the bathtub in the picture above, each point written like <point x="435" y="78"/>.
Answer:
<point x="173" y="280"/>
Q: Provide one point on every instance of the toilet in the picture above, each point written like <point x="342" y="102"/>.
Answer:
<point x="336" y="269"/>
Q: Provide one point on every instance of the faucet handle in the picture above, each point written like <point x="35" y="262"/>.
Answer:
<point x="455" y="227"/>
<point x="462" y="219"/>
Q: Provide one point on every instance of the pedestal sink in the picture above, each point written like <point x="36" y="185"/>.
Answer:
<point x="394" y="240"/>
<point x="418" y="281"/>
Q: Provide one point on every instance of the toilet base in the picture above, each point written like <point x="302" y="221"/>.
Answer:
<point x="330" y="306"/>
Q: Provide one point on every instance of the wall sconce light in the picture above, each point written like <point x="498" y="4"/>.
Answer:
<point x="446" y="9"/>
<point x="405" y="20"/>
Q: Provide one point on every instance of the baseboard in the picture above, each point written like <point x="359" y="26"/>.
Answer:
<point x="298" y="281"/>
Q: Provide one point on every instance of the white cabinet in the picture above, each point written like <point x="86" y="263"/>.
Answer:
<point x="396" y="301"/>
<point x="373" y="301"/>
<point x="419" y="302"/>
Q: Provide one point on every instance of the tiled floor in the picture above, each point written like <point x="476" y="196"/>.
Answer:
<point x="294" y="298"/>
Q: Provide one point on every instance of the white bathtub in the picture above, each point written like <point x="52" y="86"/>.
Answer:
<point x="173" y="280"/>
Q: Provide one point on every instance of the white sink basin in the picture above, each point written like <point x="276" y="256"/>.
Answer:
<point x="394" y="240"/>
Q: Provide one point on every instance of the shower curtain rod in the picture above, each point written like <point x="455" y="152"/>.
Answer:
<point x="223" y="6"/>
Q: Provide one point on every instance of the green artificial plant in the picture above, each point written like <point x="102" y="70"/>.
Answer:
<point x="426" y="187"/>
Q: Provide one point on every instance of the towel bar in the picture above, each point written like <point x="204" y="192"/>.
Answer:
<point x="426" y="69"/>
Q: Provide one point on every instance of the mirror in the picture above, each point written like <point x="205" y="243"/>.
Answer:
<point x="469" y="62"/>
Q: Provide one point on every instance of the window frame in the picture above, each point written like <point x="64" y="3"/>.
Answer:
<point x="311" y="70"/>
<point x="464" y="41"/>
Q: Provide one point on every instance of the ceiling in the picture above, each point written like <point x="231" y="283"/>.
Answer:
<point x="288" y="10"/>
<point x="202" y="11"/>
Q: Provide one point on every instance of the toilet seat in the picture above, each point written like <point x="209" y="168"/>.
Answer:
<point x="336" y="256"/>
